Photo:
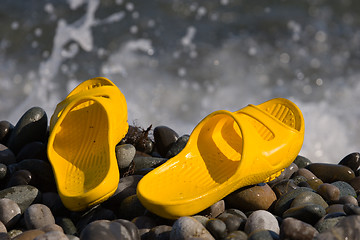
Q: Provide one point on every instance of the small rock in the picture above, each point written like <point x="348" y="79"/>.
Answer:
<point x="147" y="162"/>
<point x="66" y="224"/>
<point x="298" y="179"/>
<point x="5" y="131"/>
<point x="105" y="229"/>
<point x="160" y="232"/>
<point x="314" y="183"/>
<point x="292" y="228"/>
<point x="329" y="173"/>
<point x="52" y="235"/>
<point x="21" y="177"/>
<point x="30" y="234"/>
<point x="216" y="227"/>
<point x="284" y="202"/>
<point x="335" y="208"/>
<point x="201" y="219"/>
<point x="94" y="214"/>
<point x="283" y="187"/>
<point x="329" y="221"/>
<point x="7" y="157"/>
<point x="351" y="209"/>
<point x="131" y="207"/>
<point x="355" y="183"/>
<point x="258" y="197"/>
<point x="23" y="195"/>
<point x="263" y="235"/>
<point x="37" y="216"/>
<point x="348" y="200"/>
<point x="2" y="228"/>
<point x="51" y="227"/>
<point x="125" y="153"/>
<point x="33" y="150"/>
<point x="261" y="219"/>
<point x="236" y="235"/>
<point x="187" y="227"/>
<point x="231" y="221"/>
<point x="177" y="146"/>
<point x="329" y="192"/>
<point x="31" y="127"/>
<point x="164" y="137"/>
<point x="352" y="161"/>
<point x="52" y="200"/>
<point x="290" y="170"/>
<point x="10" y="212"/>
<point x="301" y="161"/>
<point x="309" y="213"/>
<point x="347" y="228"/>
<point x="308" y="198"/>
<point x="144" y="222"/>
<point x="345" y="188"/>
<point x="305" y="173"/>
<point x="214" y="210"/>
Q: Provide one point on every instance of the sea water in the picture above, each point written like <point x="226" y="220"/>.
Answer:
<point x="177" y="61"/>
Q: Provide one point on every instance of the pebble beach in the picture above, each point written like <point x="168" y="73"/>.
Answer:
<point x="309" y="200"/>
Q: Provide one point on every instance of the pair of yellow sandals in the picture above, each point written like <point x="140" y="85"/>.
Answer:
<point x="225" y="151"/>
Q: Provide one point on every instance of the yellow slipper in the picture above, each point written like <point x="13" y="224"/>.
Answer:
<point x="225" y="151"/>
<point x="84" y="131"/>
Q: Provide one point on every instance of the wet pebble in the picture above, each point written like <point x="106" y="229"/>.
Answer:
<point x="335" y="208"/>
<point x="147" y="162"/>
<point x="309" y="213"/>
<point x="236" y="235"/>
<point x="94" y="214"/>
<point x="346" y="228"/>
<point x="283" y="187"/>
<point x="131" y="207"/>
<point x="125" y="153"/>
<point x="5" y="130"/>
<point x="23" y="195"/>
<point x="328" y="192"/>
<point x="6" y="155"/>
<point x="345" y="188"/>
<point x="258" y="197"/>
<point x="352" y="161"/>
<point x="329" y="173"/>
<point x="160" y="232"/>
<point x="187" y="228"/>
<point x="177" y="146"/>
<point x="261" y="219"/>
<point x="308" y="198"/>
<point x="214" y="210"/>
<point x="355" y="183"/>
<point x="52" y="235"/>
<point x="144" y="224"/>
<point x="348" y="200"/>
<point x="37" y="216"/>
<point x="66" y="224"/>
<point x="31" y="127"/>
<point x="305" y="173"/>
<point x="299" y="179"/>
<point x="290" y="170"/>
<point x="217" y="228"/>
<point x="32" y="150"/>
<point x="263" y="235"/>
<point x="10" y="212"/>
<point x="21" y="177"/>
<point x="292" y="228"/>
<point x="314" y="183"/>
<point x="351" y="209"/>
<point x="164" y="137"/>
<point x="285" y="201"/>
<point x="231" y="221"/>
<point x="328" y="221"/>
<point x="302" y="161"/>
<point x="105" y="229"/>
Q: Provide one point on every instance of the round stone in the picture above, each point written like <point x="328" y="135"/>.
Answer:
<point x="292" y="228"/>
<point x="290" y="170"/>
<point x="164" y="137"/>
<point x="283" y="187"/>
<point x="5" y="130"/>
<point x="214" y="210"/>
<point x="329" y="173"/>
<point x="345" y="188"/>
<point x="328" y="192"/>
<point x="329" y="221"/>
<point x="31" y="127"/>
<point x="283" y="203"/>
<point x="298" y="179"/>
<point x="125" y="153"/>
<point x="352" y="161"/>
<point x="187" y="228"/>
<point x="2" y="228"/>
<point x="217" y="228"/>
<point x="314" y="183"/>
<point x="335" y="208"/>
<point x="144" y="222"/>
<point x="309" y="213"/>
<point x="51" y="227"/>
<point x="52" y="235"/>
<point x="231" y="221"/>
<point x="66" y="224"/>
<point x="23" y="195"/>
<point x="348" y="200"/>
<point x="258" y="197"/>
<point x="263" y="235"/>
<point x="301" y="161"/>
<point x="131" y="207"/>
<point x="177" y="146"/>
<point x="94" y="214"/>
<point x="160" y="232"/>
<point x="351" y="209"/>
<point x="236" y="235"/>
<point x="355" y="183"/>
<point x="21" y="177"/>
<point x="10" y="212"/>
<point x="105" y="229"/>
<point x="261" y="219"/>
<point x="147" y="162"/>
<point x="37" y="216"/>
<point x="32" y="150"/>
<point x="308" y="198"/>
<point x="7" y="157"/>
<point x="346" y="228"/>
<point x="305" y="173"/>
<point x="30" y="234"/>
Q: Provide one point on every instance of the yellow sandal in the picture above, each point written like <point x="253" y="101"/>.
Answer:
<point x="225" y="152"/>
<point x="84" y="131"/>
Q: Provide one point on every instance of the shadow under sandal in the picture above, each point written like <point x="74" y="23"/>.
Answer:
<point x="84" y="131"/>
<point x="225" y="151"/>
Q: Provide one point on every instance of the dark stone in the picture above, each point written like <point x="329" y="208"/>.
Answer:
<point x="33" y="150"/>
<point x="53" y="201"/>
<point x="355" y="183"/>
<point x="23" y="195"/>
<point x="147" y="162"/>
<point x="283" y="187"/>
<point x="352" y="161"/>
<point x="131" y="207"/>
<point x="178" y="146"/>
<point x="329" y="221"/>
<point x="292" y="228"/>
<point x="20" y="177"/>
<point x="37" y="216"/>
<point x="7" y="157"/>
<point x="299" y="179"/>
<point x="164" y="137"/>
<point x="160" y="232"/>
<point x="285" y="201"/>
<point x="329" y="173"/>
<point x="345" y="188"/>
<point x="262" y="234"/>
<point x="351" y="209"/>
<point x="301" y="161"/>
<point x="308" y="198"/>
<point x="236" y="235"/>
<point x="329" y="192"/>
<point x="66" y="224"/>
<point x="346" y="228"/>
<point x="216" y="227"/>
<point x="309" y="213"/>
<point x="94" y="214"/>
<point x="5" y="131"/>
<point x="231" y="221"/>
<point x="31" y="127"/>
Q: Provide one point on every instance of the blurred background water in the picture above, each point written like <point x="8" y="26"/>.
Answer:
<point x="177" y="61"/>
